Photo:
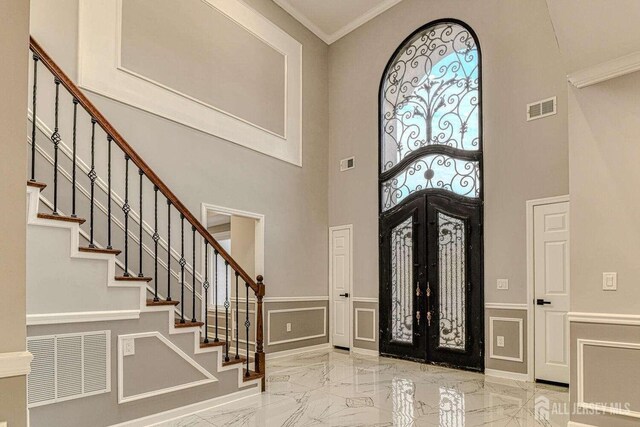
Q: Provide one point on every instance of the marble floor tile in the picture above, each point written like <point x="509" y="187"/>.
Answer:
<point x="334" y="388"/>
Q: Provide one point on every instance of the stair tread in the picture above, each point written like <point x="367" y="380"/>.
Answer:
<point x="151" y="302"/>
<point x="188" y="324"/>
<point x="61" y="218"/>
<point x="99" y="250"/>
<point x="252" y="376"/>
<point x="134" y="278"/>
<point x="211" y="343"/>
<point x="40" y="185"/>
<point x="234" y="361"/>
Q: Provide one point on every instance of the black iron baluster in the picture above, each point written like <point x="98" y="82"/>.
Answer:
<point x="92" y="176"/>
<point x="215" y="294"/>
<point x="226" y="311"/>
<point x="183" y="262"/>
<point x="237" y="335"/>
<point x="126" y="209"/>
<point x="193" y="274"/>
<point x="156" y="238"/>
<point x="73" y="172"/>
<point x="205" y="286"/>
<point x="246" y="325"/>
<point x="55" y="138"/>
<point x="140" y="274"/>
<point x="109" y="139"/>
<point x="168" y="250"/>
<point x="34" y="118"/>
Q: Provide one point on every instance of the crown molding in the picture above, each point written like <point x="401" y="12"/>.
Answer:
<point x="335" y="36"/>
<point x="605" y="71"/>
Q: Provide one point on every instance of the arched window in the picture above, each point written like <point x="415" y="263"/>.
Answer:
<point x="430" y="136"/>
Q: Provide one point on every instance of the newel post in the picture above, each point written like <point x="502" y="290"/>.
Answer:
<point x="259" y="357"/>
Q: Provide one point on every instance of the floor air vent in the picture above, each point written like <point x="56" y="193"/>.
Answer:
<point x="540" y="109"/>
<point x="68" y="366"/>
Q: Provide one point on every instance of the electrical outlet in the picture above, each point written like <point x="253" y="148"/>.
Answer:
<point x="500" y="339"/>
<point x="503" y="284"/>
<point x="288" y="327"/>
<point x="609" y="281"/>
<point x="129" y="347"/>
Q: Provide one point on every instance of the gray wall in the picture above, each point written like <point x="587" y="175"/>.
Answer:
<point x="603" y="153"/>
<point x="14" y="34"/>
<point x="523" y="160"/>
<point x="202" y="168"/>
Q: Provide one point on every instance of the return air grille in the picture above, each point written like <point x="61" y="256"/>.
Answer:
<point x="540" y="109"/>
<point x="68" y="366"/>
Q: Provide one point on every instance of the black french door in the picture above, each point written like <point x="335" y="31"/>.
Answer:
<point x="431" y="293"/>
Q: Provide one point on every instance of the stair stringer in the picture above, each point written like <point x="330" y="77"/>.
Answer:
<point x="33" y="201"/>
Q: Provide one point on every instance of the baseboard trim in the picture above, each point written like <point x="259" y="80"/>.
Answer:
<point x="294" y="351"/>
<point x="15" y="364"/>
<point x="365" y="351"/>
<point x="81" y="317"/>
<point x="506" y="375"/>
<point x="173" y="414"/>
<point x="576" y="424"/>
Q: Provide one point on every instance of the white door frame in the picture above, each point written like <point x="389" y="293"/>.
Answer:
<point x="331" y="230"/>
<point x="531" y="204"/>
<point x="259" y="235"/>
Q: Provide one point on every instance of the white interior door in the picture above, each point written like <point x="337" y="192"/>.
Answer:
<point x="340" y="283"/>
<point x="551" y="274"/>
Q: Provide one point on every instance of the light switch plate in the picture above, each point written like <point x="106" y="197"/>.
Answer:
<point x="609" y="281"/>
<point x="288" y="327"/>
<point x="500" y="340"/>
<point x="503" y="284"/>
<point x="129" y="347"/>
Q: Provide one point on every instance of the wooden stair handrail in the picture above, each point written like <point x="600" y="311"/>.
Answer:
<point x="75" y="91"/>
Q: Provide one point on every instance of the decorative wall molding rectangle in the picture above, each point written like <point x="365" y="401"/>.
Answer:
<point x="605" y="71"/>
<point x="520" y="323"/>
<point x="209" y="377"/>
<point x="373" y="332"/>
<point x="604" y="318"/>
<point x="100" y="71"/>
<point x="304" y="338"/>
<point x="581" y="373"/>
<point x="15" y="363"/>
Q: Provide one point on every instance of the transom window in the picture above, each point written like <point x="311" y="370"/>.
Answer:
<point x="430" y="115"/>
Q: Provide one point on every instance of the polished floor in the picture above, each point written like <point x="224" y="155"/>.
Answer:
<point x="334" y="388"/>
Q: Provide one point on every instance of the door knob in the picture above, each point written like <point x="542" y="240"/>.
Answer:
<point x="346" y="295"/>
<point x="542" y="302"/>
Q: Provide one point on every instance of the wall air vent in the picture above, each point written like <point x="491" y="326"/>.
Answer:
<point x="540" y="109"/>
<point x="68" y="367"/>
<point x="346" y="164"/>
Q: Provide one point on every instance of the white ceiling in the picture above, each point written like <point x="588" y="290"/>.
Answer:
<point x="332" y="19"/>
<point x="591" y="32"/>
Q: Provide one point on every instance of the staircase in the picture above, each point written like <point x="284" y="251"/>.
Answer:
<point x="127" y="273"/>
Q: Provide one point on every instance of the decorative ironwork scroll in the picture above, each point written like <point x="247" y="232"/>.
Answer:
<point x="452" y="293"/>
<point x="430" y="94"/>
<point x="401" y="282"/>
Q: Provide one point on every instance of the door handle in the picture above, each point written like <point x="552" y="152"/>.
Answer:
<point x="346" y="295"/>
<point x="542" y="302"/>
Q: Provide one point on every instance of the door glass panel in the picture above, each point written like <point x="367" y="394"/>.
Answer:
<point x="452" y="271"/>
<point x="401" y="282"/>
<point x="432" y="171"/>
